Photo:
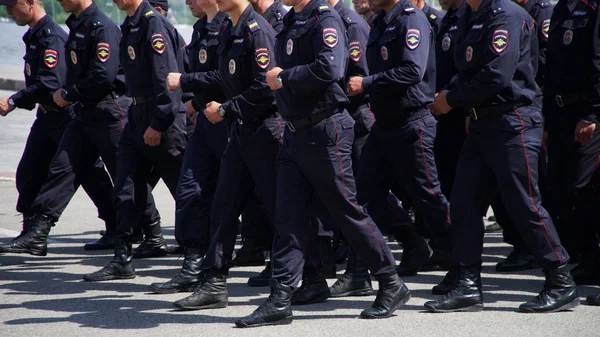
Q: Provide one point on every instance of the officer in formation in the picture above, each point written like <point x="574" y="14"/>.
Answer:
<point x="325" y="75"/>
<point x="45" y="70"/>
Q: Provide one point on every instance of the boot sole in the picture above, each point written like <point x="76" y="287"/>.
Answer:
<point x="569" y="306"/>
<point x="218" y="305"/>
<point x="402" y="302"/>
<point x="115" y="277"/>
<point x="25" y="252"/>
<point x="172" y="290"/>
<point x="360" y="292"/>
<point x="473" y="308"/>
<point x="284" y="321"/>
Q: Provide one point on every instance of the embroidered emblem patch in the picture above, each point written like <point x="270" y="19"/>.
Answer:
<point x="103" y="52"/>
<point x="158" y="43"/>
<point x="330" y="37"/>
<point x="73" y="57"/>
<point x="469" y="54"/>
<point x="413" y="38"/>
<point x="202" y="56"/>
<point x="50" y="58"/>
<point x="262" y="57"/>
<point x="289" y="47"/>
<point x="131" y="52"/>
<point x="446" y="43"/>
<point x="545" y="27"/>
<point x="232" y="66"/>
<point x="500" y="40"/>
<point x="384" y="53"/>
<point x="568" y="37"/>
<point x="355" y="51"/>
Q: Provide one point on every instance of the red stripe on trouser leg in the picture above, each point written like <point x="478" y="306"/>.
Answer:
<point x="337" y="137"/>
<point x="531" y="188"/>
<point x="427" y="172"/>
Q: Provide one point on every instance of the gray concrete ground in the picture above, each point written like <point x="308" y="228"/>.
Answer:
<point x="44" y="296"/>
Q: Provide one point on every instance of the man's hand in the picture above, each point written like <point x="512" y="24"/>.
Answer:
<point x="189" y="109"/>
<point x="211" y="112"/>
<point x="173" y="81"/>
<point x="584" y="131"/>
<point x="152" y="137"/>
<point x="5" y="107"/>
<point x="355" y="86"/>
<point x="272" y="76"/>
<point x="59" y="100"/>
<point x="440" y="104"/>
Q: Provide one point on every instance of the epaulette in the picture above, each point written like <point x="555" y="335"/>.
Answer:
<point x="544" y="4"/>
<point x="432" y="16"/>
<point x="409" y="10"/>
<point x="148" y="13"/>
<point x="324" y="8"/>
<point x="497" y="7"/>
<point x="253" y="26"/>
<point x="348" y="19"/>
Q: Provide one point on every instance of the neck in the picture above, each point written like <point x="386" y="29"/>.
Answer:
<point x="262" y="6"/>
<point x="37" y="14"/>
<point x="456" y="5"/>
<point x="299" y="6"/>
<point x="474" y="4"/>
<point x="131" y="10"/>
<point x="82" y="7"/>
<point x="237" y="12"/>
<point x="333" y="2"/>
<point x="211" y="12"/>
<point x="421" y="4"/>
<point x="388" y="8"/>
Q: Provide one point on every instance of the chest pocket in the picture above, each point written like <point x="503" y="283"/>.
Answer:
<point x="574" y="30"/>
<point x="237" y="60"/>
<point x="77" y="54"/>
<point x="389" y="47"/>
<point x="297" y="49"/>
<point x="133" y="49"/>
<point x="207" y="54"/>
<point x="32" y="60"/>
<point x="470" y="49"/>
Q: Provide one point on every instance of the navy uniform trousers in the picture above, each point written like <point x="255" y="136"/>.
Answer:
<point x="136" y="160"/>
<point x="41" y="146"/>
<point x="198" y="183"/>
<point x="403" y="155"/>
<point x="248" y="164"/>
<point x="502" y="149"/>
<point x="317" y="162"/>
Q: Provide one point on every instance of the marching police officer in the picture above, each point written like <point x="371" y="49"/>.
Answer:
<point x="433" y="15"/>
<point x="315" y="161"/>
<point x="571" y="107"/>
<point x="202" y="159"/>
<point x="154" y="136"/>
<point x="45" y="71"/>
<point x="497" y="82"/>
<point x="248" y="164"/>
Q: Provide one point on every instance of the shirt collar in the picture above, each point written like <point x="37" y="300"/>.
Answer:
<point x="142" y="10"/>
<point x="239" y="29"/>
<point x="399" y="6"/>
<point x="74" y="21"/>
<point x="339" y="6"/>
<point x="272" y="9"/>
<point x="38" y="26"/>
<point x="216" y="22"/>
<point x="306" y="12"/>
<point x="484" y="9"/>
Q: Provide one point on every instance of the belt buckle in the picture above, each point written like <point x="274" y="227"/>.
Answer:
<point x="474" y="114"/>
<point x="291" y="126"/>
<point x="240" y="122"/>
<point x="559" y="101"/>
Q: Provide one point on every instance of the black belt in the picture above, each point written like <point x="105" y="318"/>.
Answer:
<point x="108" y="97"/>
<point x="494" y="110"/>
<point x="311" y="120"/>
<point x="142" y="99"/>
<point x="46" y="109"/>
<point x="570" y="98"/>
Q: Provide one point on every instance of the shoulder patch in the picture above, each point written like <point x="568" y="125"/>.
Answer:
<point x="263" y="59"/>
<point x="500" y="40"/>
<point x="545" y="27"/>
<point x="50" y="58"/>
<point x="253" y="25"/>
<point x="413" y="38"/>
<point x="330" y="37"/>
<point x="103" y="52"/>
<point x="497" y="7"/>
<point x="355" y="51"/>
<point x="159" y="43"/>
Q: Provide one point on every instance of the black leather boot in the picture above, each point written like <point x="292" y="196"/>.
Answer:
<point x="154" y="244"/>
<point x="211" y="294"/>
<point x="392" y="294"/>
<point x="263" y="279"/>
<point x="33" y="238"/>
<point x="251" y="254"/>
<point x="448" y="283"/>
<point x="355" y="281"/>
<point x="466" y="296"/>
<point x="559" y="293"/>
<point x="121" y="266"/>
<point x="187" y="279"/>
<point x="277" y="309"/>
<point x="593" y="299"/>
<point x="314" y="288"/>
<point x="106" y="241"/>
<point x="516" y="261"/>
<point x="415" y="253"/>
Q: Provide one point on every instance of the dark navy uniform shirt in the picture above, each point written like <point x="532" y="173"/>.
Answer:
<point x="245" y="55"/>
<point x="444" y="46"/>
<point x="434" y="17"/>
<point x="493" y="57"/>
<point x="274" y="16"/>
<point x="150" y="49"/>
<point x="541" y="11"/>
<point x="401" y="57"/>
<point x="45" y="67"/>
<point x="92" y="56"/>
<point x="573" y="57"/>
<point x="312" y="50"/>
<point x="202" y="57"/>
<point x="358" y="35"/>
